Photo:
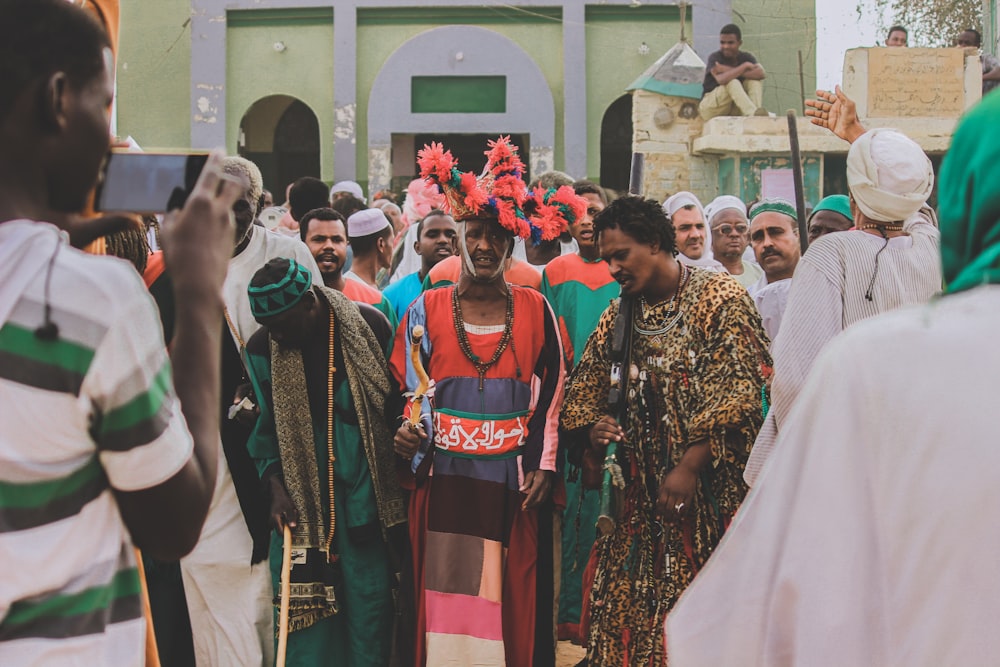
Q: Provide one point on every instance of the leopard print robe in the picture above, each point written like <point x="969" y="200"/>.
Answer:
<point x="702" y="379"/>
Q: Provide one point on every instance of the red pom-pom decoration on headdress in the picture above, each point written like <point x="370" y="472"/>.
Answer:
<point x="500" y="192"/>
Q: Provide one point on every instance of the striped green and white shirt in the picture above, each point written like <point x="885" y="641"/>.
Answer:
<point x="92" y="411"/>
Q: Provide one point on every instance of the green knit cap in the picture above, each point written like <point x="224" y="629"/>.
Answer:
<point x="276" y="298"/>
<point x="774" y="205"/>
<point x="837" y="203"/>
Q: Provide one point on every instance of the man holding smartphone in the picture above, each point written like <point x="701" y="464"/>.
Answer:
<point x="104" y="442"/>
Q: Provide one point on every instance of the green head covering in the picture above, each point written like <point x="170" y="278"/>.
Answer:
<point x="837" y="203"/>
<point x="774" y="205"/>
<point x="969" y="199"/>
<point x="277" y="297"/>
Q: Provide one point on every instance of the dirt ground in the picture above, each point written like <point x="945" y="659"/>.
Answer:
<point x="568" y="654"/>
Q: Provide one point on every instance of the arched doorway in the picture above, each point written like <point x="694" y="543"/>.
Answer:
<point x="616" y="144"/>
<point x="281" y="135"/>
<point x="459" y="84"/>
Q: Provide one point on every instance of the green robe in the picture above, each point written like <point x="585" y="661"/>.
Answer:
<point x="578" y="290"/>
<point x="360" y="634"/>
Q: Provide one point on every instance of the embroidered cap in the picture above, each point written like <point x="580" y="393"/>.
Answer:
<point x="276" y="298"/>
<point x="774" y="205"/>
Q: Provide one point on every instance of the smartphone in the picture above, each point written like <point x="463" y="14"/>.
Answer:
<point x="147" y="182"/>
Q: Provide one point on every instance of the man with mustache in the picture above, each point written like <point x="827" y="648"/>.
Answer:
<point x="323" y="231"/>
<point x="693" y="239"/>
<point x="483" y="461"/>
<point x="692" y="384"/>
<point x="774" y="234"/>
<point x="436" y="241"/>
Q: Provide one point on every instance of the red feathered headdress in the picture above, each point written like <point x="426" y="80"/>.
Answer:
<point x="499" y="192"/>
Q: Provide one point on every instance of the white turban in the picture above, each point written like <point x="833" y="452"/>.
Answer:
<point x="675" y="203"/>
<point x="889" y="175"/>
<point x="724" y="203"/>
<point x="350" y="187"/>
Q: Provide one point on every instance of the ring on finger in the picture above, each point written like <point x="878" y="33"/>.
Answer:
<point x="678" y="507"/>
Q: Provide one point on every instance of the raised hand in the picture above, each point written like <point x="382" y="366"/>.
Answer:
<point x="836" y="112"/>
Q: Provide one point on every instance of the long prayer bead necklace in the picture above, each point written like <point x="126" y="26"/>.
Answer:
<point x="332" y="369"/>
<point x="463" y="339"/>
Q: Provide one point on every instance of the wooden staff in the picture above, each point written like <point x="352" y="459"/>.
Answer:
<point x="286" y="592"/>
<point x="800" y="198"/>
<point x="423" y="382"/>
<point x="152" y="655"/>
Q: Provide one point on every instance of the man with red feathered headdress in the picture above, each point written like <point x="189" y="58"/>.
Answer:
<point x="483" y="461"/>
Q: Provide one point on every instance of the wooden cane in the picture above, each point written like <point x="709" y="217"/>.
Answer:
<point x="152" y="655"/>
<point x="423" y="381"/>
<point x="286" y="591"/>
<point x="800" y="198"/>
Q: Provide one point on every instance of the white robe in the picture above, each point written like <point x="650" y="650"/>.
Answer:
<point x="872" y="536"/>
<point x="771" y="300"/>
<point x="828" y="294"/>
<point x="229" y="601"/>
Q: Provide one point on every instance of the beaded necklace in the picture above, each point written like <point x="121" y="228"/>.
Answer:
<point x="332" y="369"/>
<point x="463" y="339"/>
<point x="882" y="228"/>
<point x="672" y="314"/>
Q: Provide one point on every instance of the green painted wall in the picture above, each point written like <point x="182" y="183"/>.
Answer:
<point x="380" y="33"/>
<point x="614" y="35"/>
<point x="154" y="64"/>
<point x="304" y="70"/>
<point x="774" y="31"/>
<point x="751" y="166"/>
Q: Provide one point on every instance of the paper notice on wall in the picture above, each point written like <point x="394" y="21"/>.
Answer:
<point x="778" y="183"/>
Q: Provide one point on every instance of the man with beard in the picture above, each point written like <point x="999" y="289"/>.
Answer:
<point x="692" y="380"/>
<point x="323" y="450"/>
<point x="106" y="442"/>
<point x="727" y="220"/>
<point x="226" y="583"/>
<point x="774" y="234"/>
<point x="694" y="240"/>
<point x="325" y="235"/>
<point x="484" y="461"/>
<point x="436" y="241"/>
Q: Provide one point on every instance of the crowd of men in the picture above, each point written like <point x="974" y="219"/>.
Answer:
<point x="455" y="430"/>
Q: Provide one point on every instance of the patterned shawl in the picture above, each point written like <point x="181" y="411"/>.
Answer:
<point x="313" y="578"/>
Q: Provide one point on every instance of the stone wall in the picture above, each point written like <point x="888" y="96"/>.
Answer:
<point x="664" y="130"/>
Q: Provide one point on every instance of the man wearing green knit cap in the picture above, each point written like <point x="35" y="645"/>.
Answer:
<point x="832" y="214"/>
<point x="774" y="235"/>
<point x="875" y="515"/>
<point x="323" y="448"/>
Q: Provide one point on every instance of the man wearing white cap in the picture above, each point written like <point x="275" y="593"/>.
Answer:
<point x="344" y="188"/>
<point x="693" y="238"/>
<point x="370" y="234"/>
<point x="890" y="260"/>
<point x="730" y="233"/>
